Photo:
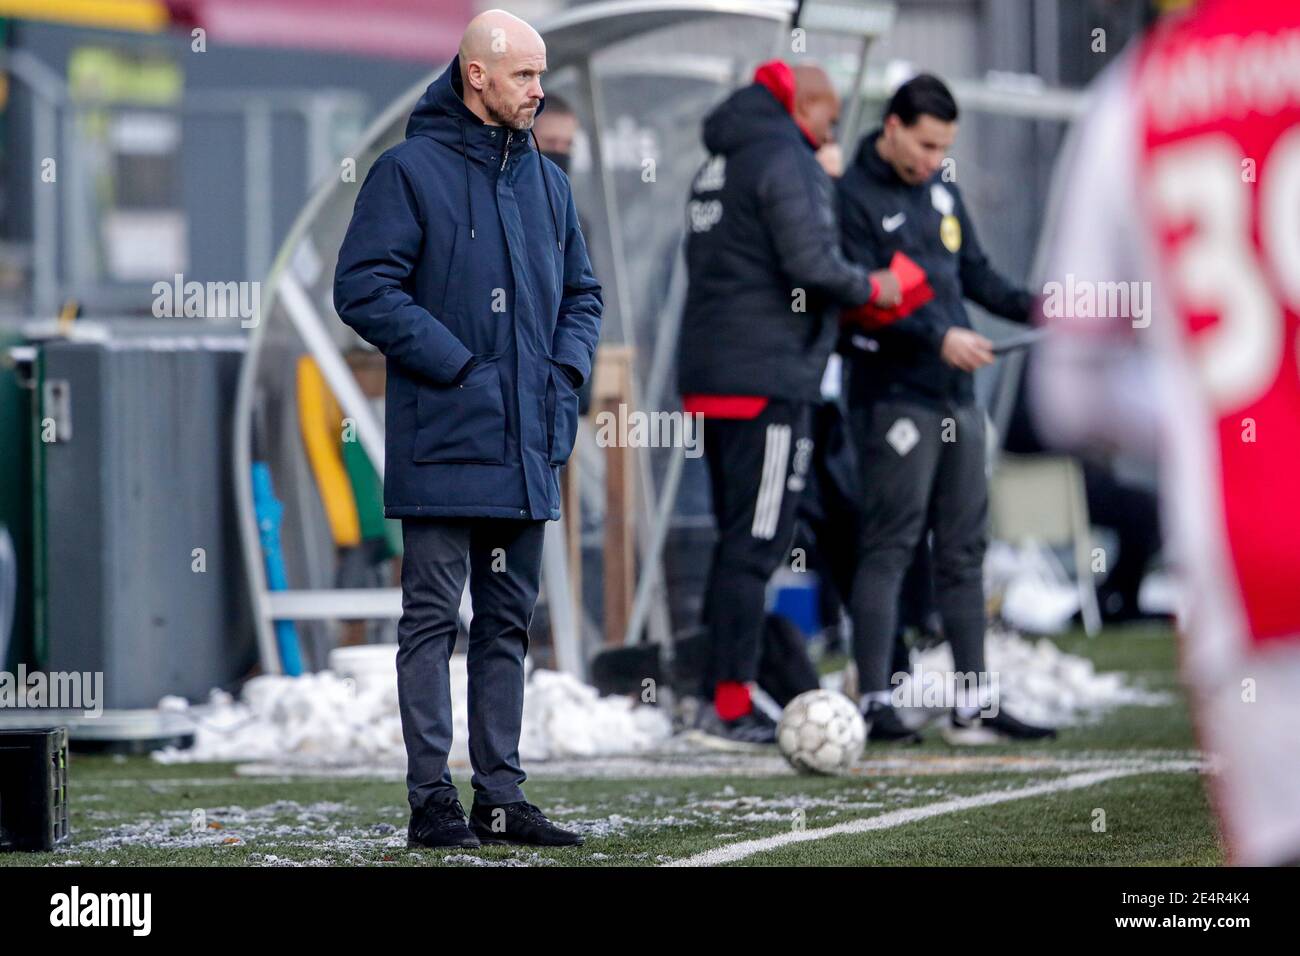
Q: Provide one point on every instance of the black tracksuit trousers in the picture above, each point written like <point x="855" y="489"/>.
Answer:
<point x="757" y="470"/>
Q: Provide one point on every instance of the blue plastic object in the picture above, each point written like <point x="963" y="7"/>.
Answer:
<point x="269" y="513"/>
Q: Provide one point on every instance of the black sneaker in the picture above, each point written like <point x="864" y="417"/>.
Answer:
<point x="753" y="733"/>
<point x="885" y="726"/>
<point x="520" y="823"/>
<point x="1000" y="728"/>
<point x="440" y="825"/>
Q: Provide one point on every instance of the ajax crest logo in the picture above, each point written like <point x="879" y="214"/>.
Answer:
<point x="950" y="233"/>
<point x="949" y="226"/>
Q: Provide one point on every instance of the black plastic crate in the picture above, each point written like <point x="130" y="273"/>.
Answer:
<point x="33" y="788"/>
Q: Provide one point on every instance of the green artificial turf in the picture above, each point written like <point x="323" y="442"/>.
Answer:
<point x="128" y="811"/>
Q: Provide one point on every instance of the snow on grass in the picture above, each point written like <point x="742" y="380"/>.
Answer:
<point x="1036" y="681"/>
<point x="229" y="826"/>
<point x="337" y="719"/>
<point x="348" y="717"/>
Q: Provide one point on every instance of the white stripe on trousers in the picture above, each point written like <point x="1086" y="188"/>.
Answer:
<point x="767" y="508"/>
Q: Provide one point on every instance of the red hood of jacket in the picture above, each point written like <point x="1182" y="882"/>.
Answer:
<point x="778" y="79"/>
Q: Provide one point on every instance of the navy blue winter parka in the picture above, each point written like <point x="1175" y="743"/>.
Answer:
<point x="464" y="245"/>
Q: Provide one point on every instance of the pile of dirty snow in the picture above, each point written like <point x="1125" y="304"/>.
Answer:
<point x="349" y="716"/>
<point x="1040" y="683"/>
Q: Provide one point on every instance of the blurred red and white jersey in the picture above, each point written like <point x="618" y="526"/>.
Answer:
<point x="1173" y="292"/>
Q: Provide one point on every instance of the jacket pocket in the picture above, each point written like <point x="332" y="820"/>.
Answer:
<point x="465" y="422"/>
<point x="562" y="404"/>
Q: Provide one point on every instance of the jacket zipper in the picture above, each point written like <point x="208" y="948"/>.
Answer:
<point x="505" y="154"/>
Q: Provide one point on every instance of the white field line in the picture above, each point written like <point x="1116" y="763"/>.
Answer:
<point x="898" y="818"/>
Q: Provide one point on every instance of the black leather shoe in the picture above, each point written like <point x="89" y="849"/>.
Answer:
<point x="999" y="728"/>
<point x="885" y="726"/>
<point x="440" y="825"/>
<point x="520" y="823"/>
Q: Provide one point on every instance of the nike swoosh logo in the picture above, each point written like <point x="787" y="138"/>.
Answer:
<point x="893" y="222"/>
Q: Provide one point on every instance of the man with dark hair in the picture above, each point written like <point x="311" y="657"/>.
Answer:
<point x="764" y="267"/>
<point x="918" y="432"/>
<point x="556" y="130"/>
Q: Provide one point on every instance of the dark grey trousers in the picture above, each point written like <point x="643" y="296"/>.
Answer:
<point x="920" y="467"/>
<point x="504" y="559"/>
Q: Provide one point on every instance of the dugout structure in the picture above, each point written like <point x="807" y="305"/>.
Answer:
<point x="640" y="75"/>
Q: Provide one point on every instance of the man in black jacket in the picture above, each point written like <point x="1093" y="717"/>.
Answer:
<point x="919" y="435"/>
<point x="764" y="268"/>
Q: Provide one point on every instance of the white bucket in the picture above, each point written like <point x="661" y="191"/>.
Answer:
<point x="368" y="664"/>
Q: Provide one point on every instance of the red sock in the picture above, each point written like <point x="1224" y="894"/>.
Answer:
<point x="731" y="700"/>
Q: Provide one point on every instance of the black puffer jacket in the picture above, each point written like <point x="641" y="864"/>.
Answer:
<point x="880" y="215"/>
<point x="760" y="226"/>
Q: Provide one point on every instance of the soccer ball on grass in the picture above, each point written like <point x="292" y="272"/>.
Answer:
<point x="821" y="731"/>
